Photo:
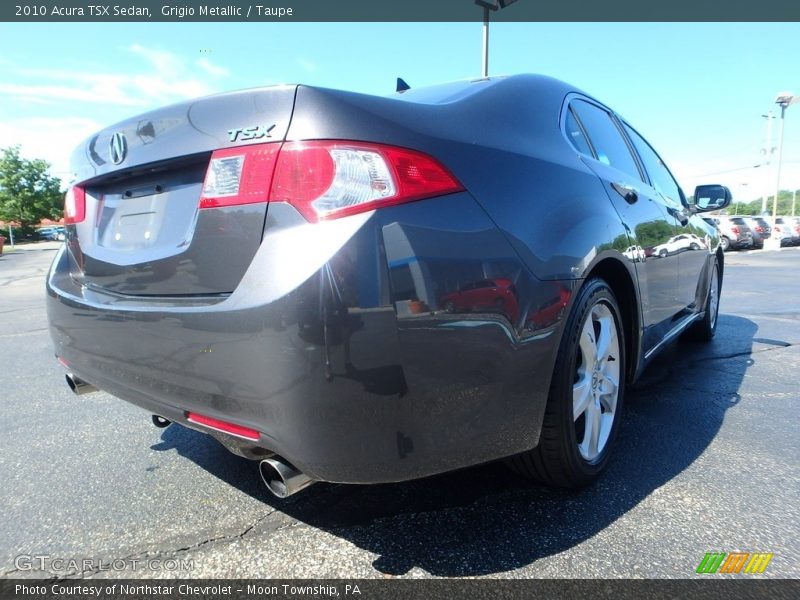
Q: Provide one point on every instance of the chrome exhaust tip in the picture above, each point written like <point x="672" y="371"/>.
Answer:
<point x="79" y="386"/>
<point x="161" y="422"/>
<point x="282" y="479"/>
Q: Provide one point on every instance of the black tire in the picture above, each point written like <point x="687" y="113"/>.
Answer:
<point x="724" y="243"/>
<point x="557" y="460"/>
<point x="704" y="329"/>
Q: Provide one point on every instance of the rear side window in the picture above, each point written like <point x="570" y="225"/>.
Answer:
<point x="576" y="136"/>
<point x="662" y="179"/>
<point x="606" y="139"/>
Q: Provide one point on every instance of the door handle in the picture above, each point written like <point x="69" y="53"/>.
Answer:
<point x="678" y="214"/>
<point x="628" y="192"/>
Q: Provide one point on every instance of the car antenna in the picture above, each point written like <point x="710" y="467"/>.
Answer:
<point x="402" y="86"/>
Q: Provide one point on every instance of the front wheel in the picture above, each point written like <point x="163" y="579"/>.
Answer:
<point x="704" y="329"/>
<point x="586" y="395"/>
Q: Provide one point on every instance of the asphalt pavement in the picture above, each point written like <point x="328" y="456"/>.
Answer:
<point x="708" y="460"/>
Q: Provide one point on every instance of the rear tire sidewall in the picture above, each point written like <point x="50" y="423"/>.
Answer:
<point x="594" y="292"/>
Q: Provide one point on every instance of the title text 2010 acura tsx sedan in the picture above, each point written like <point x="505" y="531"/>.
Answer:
<point x="272" y="267"/>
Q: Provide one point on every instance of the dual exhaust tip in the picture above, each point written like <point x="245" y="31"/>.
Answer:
<point x="281" y="478"/>
<point x="78" y="386"/>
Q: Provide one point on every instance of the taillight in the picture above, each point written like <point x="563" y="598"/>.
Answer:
<point x="735" y="230"/>
<point x="324" y="179"/>
<point x="239" y="175"/>
<point x="74" y="205"/>
<point x="224" y="426"/>
<point x="759" y="229"/>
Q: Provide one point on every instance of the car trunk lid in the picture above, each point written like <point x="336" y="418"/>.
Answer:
<point x="144" y="229"/>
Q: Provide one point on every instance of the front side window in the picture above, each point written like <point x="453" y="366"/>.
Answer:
<point x="606" y="139"/>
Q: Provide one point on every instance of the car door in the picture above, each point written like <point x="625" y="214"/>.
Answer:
<point x="692" y="249"/>
<point x="596" y="134"/>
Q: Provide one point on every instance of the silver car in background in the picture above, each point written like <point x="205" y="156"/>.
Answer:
<point x="789" y="229"/>
<point x="761" y="230"/>
<point x="734" y="232"/>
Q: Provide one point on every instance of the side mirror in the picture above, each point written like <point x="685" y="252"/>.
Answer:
<point x="711" y="197"/>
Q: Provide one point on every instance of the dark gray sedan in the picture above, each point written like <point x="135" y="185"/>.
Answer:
<point x="272" y="267"/>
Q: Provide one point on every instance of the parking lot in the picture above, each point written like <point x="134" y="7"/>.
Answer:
<point x="708" y="461"/>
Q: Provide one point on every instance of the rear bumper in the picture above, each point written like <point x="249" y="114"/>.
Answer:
<point x="326" y="359"/>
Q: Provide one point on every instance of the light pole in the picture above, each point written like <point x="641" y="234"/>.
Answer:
<point x="489" y="5"/>
<point x="784" y="100"/>
<point x="768" y="150"/>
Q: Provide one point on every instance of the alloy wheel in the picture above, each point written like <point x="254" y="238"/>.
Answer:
<point x="596" y="388"/>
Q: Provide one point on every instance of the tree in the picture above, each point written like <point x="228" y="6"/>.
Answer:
<point x="28" y="193"/>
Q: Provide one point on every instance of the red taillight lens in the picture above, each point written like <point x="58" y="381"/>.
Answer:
<point x="74" y="205"/>
<point x="305" y="171"/>
<point x="324" y="180"/>
<point x="224" y="426"/>
<point x="735" y="230"/>
<point x="239" y="175"/>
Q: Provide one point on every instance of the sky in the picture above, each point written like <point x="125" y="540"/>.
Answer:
<point x="697" y="92"/>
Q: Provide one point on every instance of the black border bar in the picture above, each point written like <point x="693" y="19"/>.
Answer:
<point x="700" y="588"/>
<point x="396" y="10"/>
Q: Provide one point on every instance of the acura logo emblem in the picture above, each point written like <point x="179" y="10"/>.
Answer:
<point x="118" y="148"/>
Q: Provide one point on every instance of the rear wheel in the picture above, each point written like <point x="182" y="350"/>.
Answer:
<point x="724" y="243"/>
<point x="586" y="395"/>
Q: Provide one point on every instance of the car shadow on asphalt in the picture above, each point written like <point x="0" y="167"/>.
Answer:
<point x="485" y="519"/>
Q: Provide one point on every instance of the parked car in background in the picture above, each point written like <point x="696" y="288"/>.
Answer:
<point x="280" y="334"/>
<point x="760" y="228"/>
<point x="783" y="233"/>
<point x="52" y="233"/>
<point x="789" y="229"/>
<point x="734" y="232"/>
<point x="796" y="230"/>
